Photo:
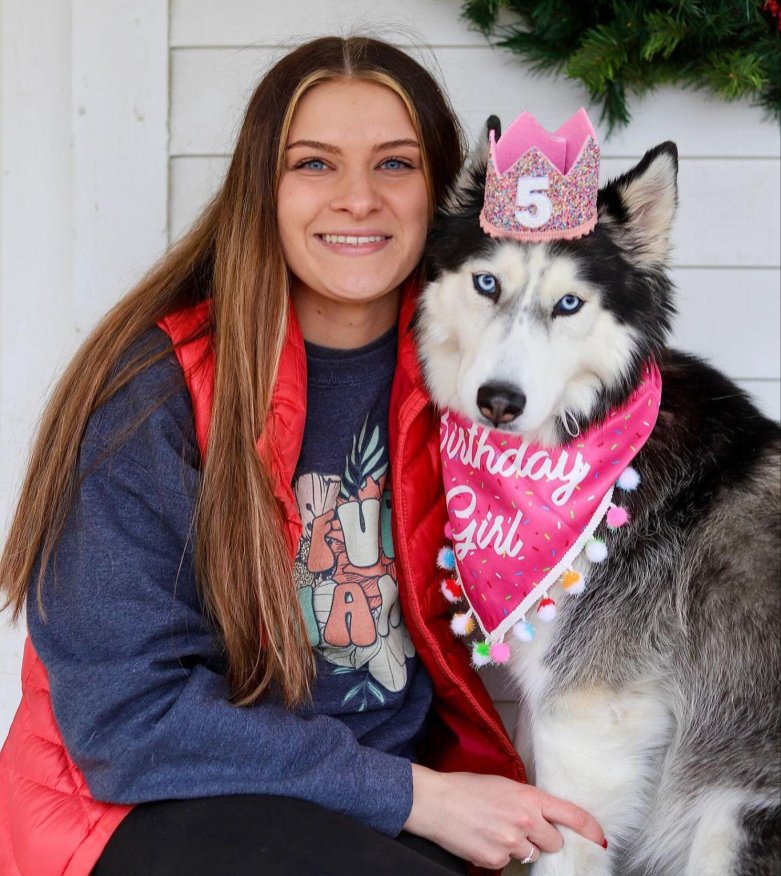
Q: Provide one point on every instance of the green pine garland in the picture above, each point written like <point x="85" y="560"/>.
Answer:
<point x="731" y="48"/>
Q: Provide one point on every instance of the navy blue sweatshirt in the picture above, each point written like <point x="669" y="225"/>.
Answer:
<point x="136" y="671"/>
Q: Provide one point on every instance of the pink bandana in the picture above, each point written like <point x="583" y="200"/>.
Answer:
<point x="520" y="513"/>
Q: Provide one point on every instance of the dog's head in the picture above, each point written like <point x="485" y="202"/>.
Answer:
<point x="527" y="336"/>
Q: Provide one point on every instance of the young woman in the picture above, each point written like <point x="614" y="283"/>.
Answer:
<point x="239" y="660"/>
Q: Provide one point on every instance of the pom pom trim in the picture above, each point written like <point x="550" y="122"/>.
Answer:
<point x="451" y="590"/>
<point x="573" y="582"/>
<point x="596" y="550"/>
<point x="481" y="654"/>
<point x="499" y="652"/>
<point x="629" y="479"/>
<point x="446" y="559"/>
<point x="524" y="631"/>
<point x="462" y="624"/>
<point x="616" y="517"/>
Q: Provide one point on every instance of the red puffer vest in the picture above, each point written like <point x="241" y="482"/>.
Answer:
<point x="49" y="823"/>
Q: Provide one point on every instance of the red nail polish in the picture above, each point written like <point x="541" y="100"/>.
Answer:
<point x="604" y="843"/>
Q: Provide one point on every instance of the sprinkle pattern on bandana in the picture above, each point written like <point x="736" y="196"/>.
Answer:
<point x="520" y="513"/>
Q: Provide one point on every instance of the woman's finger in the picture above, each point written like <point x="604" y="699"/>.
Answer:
<point x="528" y="852"/>
<point x="568" y="814"/>
<point x="545" y="836"/>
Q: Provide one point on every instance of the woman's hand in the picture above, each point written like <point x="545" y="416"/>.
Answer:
<point x="489" y="820"/>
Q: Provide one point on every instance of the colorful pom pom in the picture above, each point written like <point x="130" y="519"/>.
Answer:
<point x="481" y="654"/>
<point x="596" y="550"/>
<point x="629" y="479"/>
<point x="617" y="516"/>
<point x="462" y="624"/>
<point x="546" y="609"/>
<point x="500" y="652"/>
<point x="524" y="631"/>
<point x="451" y="590"/>
<point x="446" y="559"/>
<point x="448" y="531"/>
<point x="573" y="582"/>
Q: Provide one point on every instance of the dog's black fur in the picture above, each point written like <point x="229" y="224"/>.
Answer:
<point x="692" y="586"/>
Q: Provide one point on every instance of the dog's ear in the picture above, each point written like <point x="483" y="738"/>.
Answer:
<point x="467" y="191"/>
<point x="492" y="123"/>
<point x="478" y="157"/>
<point x="640" y="206"/>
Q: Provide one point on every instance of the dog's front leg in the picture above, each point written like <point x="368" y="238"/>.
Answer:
<point x="599" y="748"/>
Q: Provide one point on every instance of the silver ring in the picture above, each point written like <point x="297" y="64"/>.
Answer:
<point x="530" y="857"/>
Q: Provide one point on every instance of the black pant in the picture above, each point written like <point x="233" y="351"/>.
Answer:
<point x="247" y="835"/>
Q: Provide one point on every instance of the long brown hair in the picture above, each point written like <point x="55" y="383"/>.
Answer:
<point x="231" y="255"/>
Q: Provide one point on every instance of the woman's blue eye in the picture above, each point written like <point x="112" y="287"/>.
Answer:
<point x="312" y="164"/>
<point x="486" y="284"/>
<point x="568" y="305"/>
<point x="397" y="164"/>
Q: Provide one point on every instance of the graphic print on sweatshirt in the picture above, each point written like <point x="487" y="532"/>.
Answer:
<point x="346" y="574"/>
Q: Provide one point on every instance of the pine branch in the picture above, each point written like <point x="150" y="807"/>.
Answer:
<point x="600" y="58"/>
<point x="733" y="74"/>
<point x="665" y="33"/>
<point x="731" y="48"/>
<point x="482" y="13"/>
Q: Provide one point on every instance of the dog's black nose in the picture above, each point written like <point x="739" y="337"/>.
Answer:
<point x="500" y="402"/>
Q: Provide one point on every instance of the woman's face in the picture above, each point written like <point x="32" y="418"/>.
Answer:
<point x="352" y="201"/>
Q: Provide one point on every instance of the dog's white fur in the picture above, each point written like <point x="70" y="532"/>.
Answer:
<point x="598" y="746"/>
<point x="550" y="369"/>
<point x="603" y="745"/>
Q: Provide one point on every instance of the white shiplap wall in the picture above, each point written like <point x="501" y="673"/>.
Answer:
<point x="83" y="203"/>
<point x="110" y="93"/>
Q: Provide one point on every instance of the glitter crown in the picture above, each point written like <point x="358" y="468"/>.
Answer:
<point x="542" y="186"/>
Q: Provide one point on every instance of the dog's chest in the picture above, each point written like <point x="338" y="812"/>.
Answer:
<point x="531" y="664"/>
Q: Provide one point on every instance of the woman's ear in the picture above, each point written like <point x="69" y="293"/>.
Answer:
<point x="639" y="207"/>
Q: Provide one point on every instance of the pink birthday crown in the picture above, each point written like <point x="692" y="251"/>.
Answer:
<point x="542" y="186"/>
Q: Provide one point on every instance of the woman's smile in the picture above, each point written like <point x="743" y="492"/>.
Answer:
<point x="354" y="242"/>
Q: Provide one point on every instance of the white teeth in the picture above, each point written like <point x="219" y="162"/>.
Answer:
<point x="354" y="241"/>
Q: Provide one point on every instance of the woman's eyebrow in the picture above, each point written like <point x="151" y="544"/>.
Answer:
<point x="395" y="144"/>
<point x="335" y="150"/>
<point x="315" y="144"/>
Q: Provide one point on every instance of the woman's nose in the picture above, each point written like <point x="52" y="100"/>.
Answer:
<point x="357" y="193"/>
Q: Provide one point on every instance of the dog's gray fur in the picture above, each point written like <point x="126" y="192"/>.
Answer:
<point x="653" y="697"/>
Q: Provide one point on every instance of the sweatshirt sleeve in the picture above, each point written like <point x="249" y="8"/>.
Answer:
<point x="134" y="668"/>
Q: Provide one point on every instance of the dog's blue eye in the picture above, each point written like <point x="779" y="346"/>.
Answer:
<point x="486" y="284"/>
<point x="568" y="305"/>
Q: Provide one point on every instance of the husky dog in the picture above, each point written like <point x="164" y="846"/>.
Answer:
<point x="652" y="699"/>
